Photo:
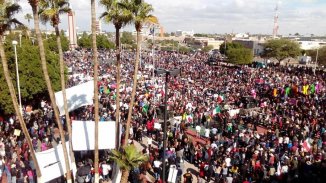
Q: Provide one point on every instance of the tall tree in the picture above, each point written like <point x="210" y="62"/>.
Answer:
<point x="119" y="17"/>
<point x="28" y="17"/>
<point x="141" y="15"/>
<point x="281" y="49"/>
<point x="128" y="159"/>
<point x="50" y="10"/>
<point x="35" y="9"/>
<point x="240" y="55"/>
<point x="7" y="12"/>
<point x="96" y="102"/>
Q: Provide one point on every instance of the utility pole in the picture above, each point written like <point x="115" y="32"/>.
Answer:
<point x="316" y="61"/>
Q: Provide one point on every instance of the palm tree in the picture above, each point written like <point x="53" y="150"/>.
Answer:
<point x="96" y="102"/>
<point x="28" y="17"/>
<point x="50" y="11"/>
<point x="35" y="7"/>
<point x="119" y="17"/>
<point x="128" y="159"/>
<point x="141" y="15"/>
<point x="7" y="11"/>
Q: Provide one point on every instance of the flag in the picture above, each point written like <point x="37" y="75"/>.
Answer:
<point x="145" y="108"/>
<point x="189" y="118"/>
<point x="217" y="110"/>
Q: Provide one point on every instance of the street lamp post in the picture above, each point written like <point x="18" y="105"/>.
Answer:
<point x="153" y="51"/>
<point x="172" y="72"/>
<point x="20" y="39"/>
<point x="14" y="43"/>
<point x="316" y="61"/>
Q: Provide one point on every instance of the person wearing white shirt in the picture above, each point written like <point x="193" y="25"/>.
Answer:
<point x="157" y="169"/>
<point x="198" y="130"/>
<point x="149" y="142"/>
<point x="207" y="132"/>
<point x="106" y="168"/>
<point x="228" y="162"/>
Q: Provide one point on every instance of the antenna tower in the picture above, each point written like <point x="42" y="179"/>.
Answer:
<point x="275" y="28"/>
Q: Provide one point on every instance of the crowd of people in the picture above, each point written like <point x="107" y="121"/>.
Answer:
<point x="233" y="123"/>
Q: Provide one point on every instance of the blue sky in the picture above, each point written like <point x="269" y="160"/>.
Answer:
<point x="220" y="16"/>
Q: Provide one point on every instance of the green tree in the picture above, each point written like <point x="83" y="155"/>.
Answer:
<point x="32" y="83"/>
<point x="127" y="38"/>
<point x="321" y="55"/>
<point x="240" y="55"/>
<point x="85" y="41"/>
<point x="51" y="43"/>
<point x="28" y="17"/>
<point x="229" y="46"/>
<point x="141" y="15"/>
<point x="184" y="49"/>
<point x="281" y="49"/>
<point x="208" y="48"/>
<point x="50" y="11"/>
<point x="103" y="42"/>
<point x="120" y="17"/>
<point x="128" y="159"/>
<point x="7" y="12"/>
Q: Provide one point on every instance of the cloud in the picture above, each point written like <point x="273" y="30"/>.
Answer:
<point x="221" y="16"/>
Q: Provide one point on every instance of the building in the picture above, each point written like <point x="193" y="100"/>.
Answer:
<point x="256" y="44"/>
<point x="309" y="42"/>
<point x="310" y="45"/>
<point x="72" y="33"/>
<point x="180" y="33"/>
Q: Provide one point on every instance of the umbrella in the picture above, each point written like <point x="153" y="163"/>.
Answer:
<point x="84" y="170"/>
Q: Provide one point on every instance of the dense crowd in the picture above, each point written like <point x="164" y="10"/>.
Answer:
<point x="235" y="124"/>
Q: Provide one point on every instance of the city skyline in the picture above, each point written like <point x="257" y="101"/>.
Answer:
<point x="216" y="16"/>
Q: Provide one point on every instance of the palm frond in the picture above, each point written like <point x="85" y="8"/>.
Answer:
<point x="7" y="12"/>
<point x="128" y="158"/>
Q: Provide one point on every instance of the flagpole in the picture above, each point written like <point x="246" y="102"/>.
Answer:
<point x="153" y="51"/>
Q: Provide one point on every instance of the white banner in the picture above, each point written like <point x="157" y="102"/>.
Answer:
<point x="83" y="135"/>
<point x="77" y="96"/>
<point x="52" y="162"/>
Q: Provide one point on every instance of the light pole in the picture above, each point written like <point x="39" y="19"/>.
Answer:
<point x="20" y="39"/>
<point x="14" y="43"/>
<point x="172" y="72"/>
<point x="316" y="61"/>
<point x="153" y="50"/>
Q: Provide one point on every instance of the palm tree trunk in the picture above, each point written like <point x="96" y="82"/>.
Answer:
<point x="124" y="176"/>
<point x="63" y="88"/>
<point x="49" y="86"/>
<point x="117" y="112"/>
<point x="96" y="102"/>
<point x="134" y="86"/>
<point x="17" y="110"/>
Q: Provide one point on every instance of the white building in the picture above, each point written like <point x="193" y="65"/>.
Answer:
<point x="310" y="45"/>
<point x="179" y="33"/>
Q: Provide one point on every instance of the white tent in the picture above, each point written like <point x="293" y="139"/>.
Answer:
<point x="77" y="96"/>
